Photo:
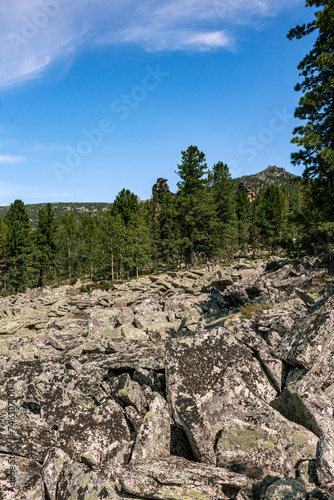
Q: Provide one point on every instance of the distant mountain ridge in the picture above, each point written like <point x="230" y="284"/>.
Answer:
<point x="271" y="175"/>
<point x="76" y="207"/>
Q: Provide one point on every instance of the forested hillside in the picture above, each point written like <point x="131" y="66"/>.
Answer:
<point x="271" y="175"/>
<point x="206" y="220"/>
<point x="60" y="208"/>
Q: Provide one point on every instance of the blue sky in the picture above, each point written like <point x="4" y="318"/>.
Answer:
<point x="98" y="96"/>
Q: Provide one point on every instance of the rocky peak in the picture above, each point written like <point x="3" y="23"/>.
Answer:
<point x="271" y="175"/>
<point x="249" y="190"/>
<point x="161" y="186"/>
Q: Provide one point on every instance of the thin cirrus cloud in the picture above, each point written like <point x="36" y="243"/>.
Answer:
<point x="36" y="33"/>
<point x="11" y="191"/>
<point x="9" y="159"/>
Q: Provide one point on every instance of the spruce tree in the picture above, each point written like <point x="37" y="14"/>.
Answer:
<point x="68" y="245"/>
<point x="168" y="249"/>
<point x="112" y="239"/>
<point x="126" y="204"/>
<point x="88" y="244"/>
<point x="18" y="273"/>
<point x="271" y="217"/>
<point x="141" y="242"/>
<point x="3" y="239"/>
<point x="45" y="241"/>
<point x="316" y="108"/>
<point x="221" y="188"/>
<point x="195" y="212"/>
<point x="243" y="210"/>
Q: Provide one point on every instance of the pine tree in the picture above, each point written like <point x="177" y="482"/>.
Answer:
<point x="253" y="225"/>
<point x="112" y="239"/>
<point x="221" y="188"/>
<point x="3" y="240"/>
<point x="141" y="242"/>
<point x="88" y="244"/>
<point x="45" y="244"/>
<point x="316" y="107"/>
<point x="271" y="217"/>
<point x="18" y="273"/>
<point x="168" y="249"/>
<point x="195" y="212"/>
<point x="243" y="210"/>
<point x="126" y="204"/>
<point x="68" y="244"/>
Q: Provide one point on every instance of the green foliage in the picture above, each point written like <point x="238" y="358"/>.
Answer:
<point x="68" y="245"/>
<point x="112" y="242"/>
<point x="168" y="232"/>
<point x="194" y="207"/>
<point x="243" y="211"/>
<point x="225" y="228"/>
<point x="249" y="311"/>
<point x="271" y="217"/>
<point x="45" y="245"/>
<point x="206" y="219"/>
<point x="126" y="204"/>
<point x="17" y="273"/>
<point x="316" y="105"/>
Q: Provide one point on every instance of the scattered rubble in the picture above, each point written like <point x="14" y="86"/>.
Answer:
<point x="193" y="384"/>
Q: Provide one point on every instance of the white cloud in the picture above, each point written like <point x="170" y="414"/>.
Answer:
<point x="35" y="33"/>
<point x="41" y="148"/>
<point x="7" y="159"/>
<point x="9" y="192"/>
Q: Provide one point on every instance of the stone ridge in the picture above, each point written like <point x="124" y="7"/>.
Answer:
<point x="255" y="183"/>
<point x="202" y="384"/>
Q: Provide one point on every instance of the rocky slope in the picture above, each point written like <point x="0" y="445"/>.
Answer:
<point x="204" y="384"/>
<point x="271" y="175"/>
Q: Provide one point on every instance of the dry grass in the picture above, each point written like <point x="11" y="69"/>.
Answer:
<point x="248" y="311"/>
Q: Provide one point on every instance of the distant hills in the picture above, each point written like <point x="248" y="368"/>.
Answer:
<point x="252" y="183"/>
<point x="78" y="208"/>
<point x="271" y="175"/>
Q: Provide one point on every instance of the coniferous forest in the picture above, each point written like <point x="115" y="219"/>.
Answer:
<point x="207" y="219"/>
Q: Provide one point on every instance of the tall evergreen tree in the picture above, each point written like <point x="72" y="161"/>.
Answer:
<point x="316" y="107"/>
<point x="3" y="239"/>
<point x="112" y="241"/>
<point x="45" y="239"/>
<point x="168" y="249"/>
<point x="126" y="204"/>
<point x="195" y="212"/>
<point x="141" y="242"/>
<point x="89" y="244"/>
<point x="68" y="244"/>
<point x="221" y="188"/>
<point x="271" y="217"/>
<point x="18" y="274"/>
<point x="243" y="210"/>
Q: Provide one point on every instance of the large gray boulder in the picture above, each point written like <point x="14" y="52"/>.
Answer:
<point x="220" y="394"/>
<point x="176" y="478"/>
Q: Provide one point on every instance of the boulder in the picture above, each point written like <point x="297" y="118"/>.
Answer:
<point x="101" y="432"/>
<point x="154" y="435"/>
<point x="78" y="481"/>
<point x="176" y="478"/>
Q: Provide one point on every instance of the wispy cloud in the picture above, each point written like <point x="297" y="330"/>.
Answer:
<point x="9" y="192"/>
<point x="8" y="159"/>
<point x="43" y="148"/>
<point x="36" y="33"/>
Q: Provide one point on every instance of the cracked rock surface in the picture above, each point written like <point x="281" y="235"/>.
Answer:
<point x="192" y="385"/>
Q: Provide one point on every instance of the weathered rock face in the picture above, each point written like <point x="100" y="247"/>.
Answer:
<point x="220" y="393"/>
<point x="176" y="478"/>
<point x="193" y="384"/>
<point x="161" y="186"/>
